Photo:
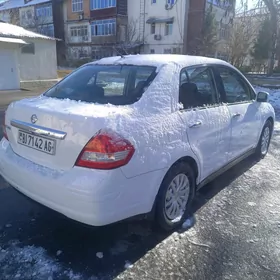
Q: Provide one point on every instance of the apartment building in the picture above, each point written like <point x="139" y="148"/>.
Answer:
<point x="95" y="28"/>
<point x="34" y="15"/>
<point x="160" y="24"/>
<point x="175" y="26"/>
<point x="41" y="16"/>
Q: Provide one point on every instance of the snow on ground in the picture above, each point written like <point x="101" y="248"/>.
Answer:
<point x="30" y="262"/>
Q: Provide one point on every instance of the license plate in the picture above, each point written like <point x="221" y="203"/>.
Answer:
<point x="38" y="143"/>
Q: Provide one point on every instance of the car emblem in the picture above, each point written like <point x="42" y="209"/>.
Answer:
<point x="34" y="119"/>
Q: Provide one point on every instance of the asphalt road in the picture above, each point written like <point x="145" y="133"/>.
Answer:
<point x="235" y="235"/>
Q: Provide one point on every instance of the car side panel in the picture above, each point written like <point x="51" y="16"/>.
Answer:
<point x="266" y="111"/>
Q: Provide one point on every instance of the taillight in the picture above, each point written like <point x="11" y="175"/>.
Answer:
<point x="106" y="150"/>
<point x="4" y="127"/>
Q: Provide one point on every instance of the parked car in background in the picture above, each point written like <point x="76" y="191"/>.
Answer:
<point x="131" y="135"/>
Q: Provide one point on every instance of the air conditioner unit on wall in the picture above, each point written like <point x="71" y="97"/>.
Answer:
<point x="168" y="6"/>
<point x="157" y="37"/>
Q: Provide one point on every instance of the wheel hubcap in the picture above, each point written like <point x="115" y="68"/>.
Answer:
<point x="177" y="196"/>
<point x="265" y="140"/>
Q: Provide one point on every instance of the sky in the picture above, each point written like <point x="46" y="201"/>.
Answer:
<point x="251" y="4"/>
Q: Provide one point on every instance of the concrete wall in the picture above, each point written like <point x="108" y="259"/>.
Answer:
<point x="12" y="61"/>
<point x="158" y="10"/>
<point x="41" y="65"/>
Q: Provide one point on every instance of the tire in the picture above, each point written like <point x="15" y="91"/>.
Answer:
<point x="163" y="215"/>
<point x="265" y="138"/>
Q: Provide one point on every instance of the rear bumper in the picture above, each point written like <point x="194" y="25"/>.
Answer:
<point x="94" y="197"/>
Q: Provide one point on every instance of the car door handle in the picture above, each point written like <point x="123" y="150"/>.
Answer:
<point x="236" y="115"/>
<point x="196" y="124"/>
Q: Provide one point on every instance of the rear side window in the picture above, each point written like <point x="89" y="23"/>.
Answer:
<point x="114" y="84"/>
<point x="197" y="88"/>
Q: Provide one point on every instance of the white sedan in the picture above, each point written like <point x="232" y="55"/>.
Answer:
<point x="132" y="135"/>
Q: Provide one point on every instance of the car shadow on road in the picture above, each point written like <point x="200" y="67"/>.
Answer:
<point x="78" y="245"/>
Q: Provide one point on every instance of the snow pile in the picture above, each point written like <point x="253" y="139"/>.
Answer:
<point x="31" y="262"/>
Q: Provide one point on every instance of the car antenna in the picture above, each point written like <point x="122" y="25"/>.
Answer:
<point x="119" y="53"/>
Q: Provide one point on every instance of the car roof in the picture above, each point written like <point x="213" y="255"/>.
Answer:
<point x="159" y="60"/>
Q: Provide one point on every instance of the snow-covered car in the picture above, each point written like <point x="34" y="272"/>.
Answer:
<point x="133" y="135"/>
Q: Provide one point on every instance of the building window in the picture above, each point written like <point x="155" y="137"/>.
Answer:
<point x="152" y="51"/>
<point x="102" y="4"/>
<point x="168" y="28"/>
<point x="79" y="31"/>
<point x="170" y="2"/>
<point x="97" y="53"/>
<point x="153" y="28"/>
<point x="28" y="49"/>
<point x="154" y="1"/>
<point x="224" y="32"/>
<point x="47" y="29"/>
<point x="44" y="11"/>
<point x="83" y="53"/>
<point x="103" y="27"/>
<point x="167" y="51"/>
<point x="77" y="6"/>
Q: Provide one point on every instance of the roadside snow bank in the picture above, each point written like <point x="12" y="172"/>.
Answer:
<point x="274" y="99"/>
<point x="274" y="96"/>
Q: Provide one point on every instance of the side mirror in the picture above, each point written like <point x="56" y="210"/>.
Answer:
<point x="262" y="96"/>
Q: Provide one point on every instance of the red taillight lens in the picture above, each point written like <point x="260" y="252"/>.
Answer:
<point x="4" y="127"/>
<point x="106" y="150"/>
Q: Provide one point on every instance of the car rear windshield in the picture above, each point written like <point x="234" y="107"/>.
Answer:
<point x="114" y="84"/>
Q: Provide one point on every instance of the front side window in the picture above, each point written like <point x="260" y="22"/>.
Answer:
<point x="102" y="4"/>
<point x="103" y="27"/>
<point x="197" y="88"/>
<point x="77" y="6"/>
<point x="115" y="84"/>
<point x="235" y="88"/>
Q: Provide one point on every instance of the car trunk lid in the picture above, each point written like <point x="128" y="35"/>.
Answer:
<point x="52" y="132"/>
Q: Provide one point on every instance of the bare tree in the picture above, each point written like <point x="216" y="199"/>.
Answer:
<point x="241" y="40"/>
<point x="14" y="16"/>
<point x="129" y="37"/>
<point x="208" y="40"/>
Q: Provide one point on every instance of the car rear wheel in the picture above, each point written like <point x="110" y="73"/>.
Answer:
<point x="175" y="196"/>
<point x="264" y="141"/>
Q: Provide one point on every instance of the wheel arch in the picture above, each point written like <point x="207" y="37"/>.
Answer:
<point x="191" y="161"/>
<point x="186" y="159"/>
<point x="271" y="120"/>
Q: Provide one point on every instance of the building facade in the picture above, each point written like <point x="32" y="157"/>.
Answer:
<point x="34" y="15"/>
<point x="95" y="28"/>
<point x="25" y="56"/>
<point x="175" y="26"/>
<point x="160" y="24"/>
